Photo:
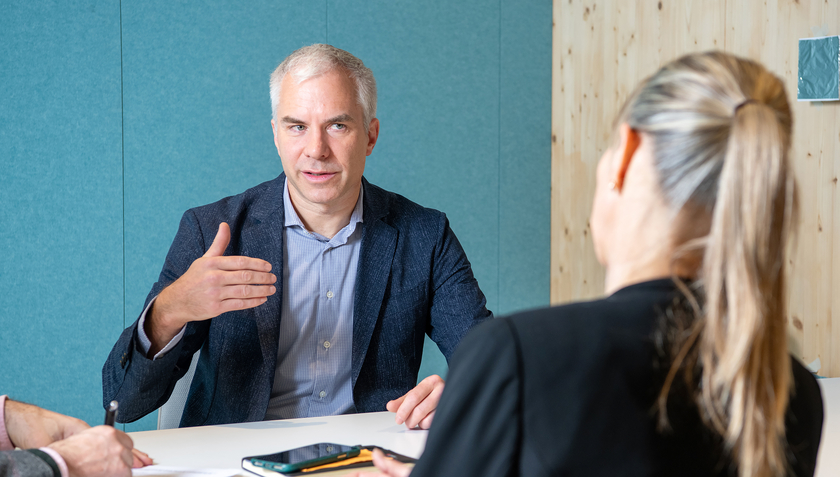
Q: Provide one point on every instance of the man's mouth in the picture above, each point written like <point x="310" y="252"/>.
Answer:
<point x="318" y="175"/>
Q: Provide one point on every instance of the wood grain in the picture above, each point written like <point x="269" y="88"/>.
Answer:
<point x="601" y="50"/>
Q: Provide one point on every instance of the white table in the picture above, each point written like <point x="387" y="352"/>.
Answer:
<point x="224" y="446"/>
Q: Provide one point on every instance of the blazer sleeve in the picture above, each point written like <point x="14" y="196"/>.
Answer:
<point x="803" y="421"/>
<point x="142" y="385"/>
<point x="478" y="426"/>
<point x="22" y="463"/>
<point x="458" y="303"/>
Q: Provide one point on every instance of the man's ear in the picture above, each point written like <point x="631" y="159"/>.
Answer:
<point x="373" y="134"/>
<point x="276" y="141"/>
<point x="630" y="140"/>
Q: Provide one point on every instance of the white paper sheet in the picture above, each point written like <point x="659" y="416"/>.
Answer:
<point x="167" y="471"/>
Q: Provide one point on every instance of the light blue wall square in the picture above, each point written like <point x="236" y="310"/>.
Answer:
<point x="819" y="69"/>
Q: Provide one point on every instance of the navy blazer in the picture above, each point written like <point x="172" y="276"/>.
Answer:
<point x="413" y="278"/>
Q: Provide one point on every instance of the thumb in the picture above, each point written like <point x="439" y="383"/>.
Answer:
<point x="220" y="243"/>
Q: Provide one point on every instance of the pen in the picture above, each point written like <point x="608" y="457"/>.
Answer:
<point x="111" y="413"/>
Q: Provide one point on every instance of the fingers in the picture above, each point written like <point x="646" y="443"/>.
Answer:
<point x="218" y="247"/>
<point x="418" y="405"/>
<point x="390" y="467"/>
<point x="98" y="452"/>
<point x="233" y="304"/>
<point x="124" y="447"/>
<point x="239" y="263"/>
<point x="220" y="278"/>
<point x="426" y="422"/>
<point x="141" y="459"/>
<point x="394" y="405"/>
<point x="220" y="243"/>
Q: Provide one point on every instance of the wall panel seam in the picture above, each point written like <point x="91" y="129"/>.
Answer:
<point x="499" y="177"/>
<point x="122" y="154"/>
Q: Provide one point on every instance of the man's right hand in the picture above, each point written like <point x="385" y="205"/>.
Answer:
<point x="214" y="284"/>
<point x="98" y="451"/>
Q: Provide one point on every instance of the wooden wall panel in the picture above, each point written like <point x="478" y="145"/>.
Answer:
<point x="601" y="50"/>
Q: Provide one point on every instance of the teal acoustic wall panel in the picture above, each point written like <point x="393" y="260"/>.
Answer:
<point x="197" y="115"/>
<point x="61" y="201"/>
<point x="525" y="155"/>
<point x="122" y="115"/>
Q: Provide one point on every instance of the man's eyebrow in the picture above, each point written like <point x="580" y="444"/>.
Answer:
<point x="341" y="118"/>
<point x="291" y="120"/>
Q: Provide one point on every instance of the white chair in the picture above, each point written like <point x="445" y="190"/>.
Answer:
<point x="169" y="415"/>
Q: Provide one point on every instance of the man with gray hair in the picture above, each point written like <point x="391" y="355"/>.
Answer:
<point x="307" y="295"/>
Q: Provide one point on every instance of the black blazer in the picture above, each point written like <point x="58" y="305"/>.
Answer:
<point x="570" y="391"/>
<point x="413" y="278"/>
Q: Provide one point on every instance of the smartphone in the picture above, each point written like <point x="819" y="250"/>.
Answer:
<point x="305" y="457"/>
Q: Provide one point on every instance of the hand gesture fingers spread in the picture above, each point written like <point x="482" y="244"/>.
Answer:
<point x="214" y="284"/>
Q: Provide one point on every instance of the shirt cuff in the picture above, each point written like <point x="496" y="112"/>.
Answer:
<point x="146" y="343"/>
<point x="5" y="442"/>
<point x="62" y="466"/>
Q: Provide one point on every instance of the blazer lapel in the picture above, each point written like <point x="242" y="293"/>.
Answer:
<point x="379" y="241"/>
<point x="264" y="239"/>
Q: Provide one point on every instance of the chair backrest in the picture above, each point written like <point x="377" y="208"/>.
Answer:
<point x="169" y="415"/>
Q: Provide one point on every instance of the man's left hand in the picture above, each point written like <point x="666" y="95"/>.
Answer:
<point x="417" y="407"/>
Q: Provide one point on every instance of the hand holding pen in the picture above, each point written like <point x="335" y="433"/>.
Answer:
<point x="111" y="413"/>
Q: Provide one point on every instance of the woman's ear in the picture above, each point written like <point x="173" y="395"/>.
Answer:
<point x="629" y="143"/>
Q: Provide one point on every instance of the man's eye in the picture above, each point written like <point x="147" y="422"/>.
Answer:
<point x="339" y="127"/>
<point x="296" y="127"/>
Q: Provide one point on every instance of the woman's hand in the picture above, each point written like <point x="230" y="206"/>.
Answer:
<point x="386" y="466"/>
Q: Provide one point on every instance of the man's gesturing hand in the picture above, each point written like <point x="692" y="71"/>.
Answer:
<point x="214" y="284"/>
<point x="417" y="407"/>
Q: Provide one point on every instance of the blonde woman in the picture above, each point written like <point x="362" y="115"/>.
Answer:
<point x="683" y="369"/>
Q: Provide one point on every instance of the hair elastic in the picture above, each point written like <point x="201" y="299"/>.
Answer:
<point x="744" y="103"/>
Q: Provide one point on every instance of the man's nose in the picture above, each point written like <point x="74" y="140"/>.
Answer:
<point x="317" y="147"/>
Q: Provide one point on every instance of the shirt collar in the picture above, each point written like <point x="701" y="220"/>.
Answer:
<point x="293" y="219"/>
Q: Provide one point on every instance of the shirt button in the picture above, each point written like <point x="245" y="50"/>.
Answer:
<point x="322" y="394"/>
<point x="329" y="294"/>
<point x="327" y="344"/>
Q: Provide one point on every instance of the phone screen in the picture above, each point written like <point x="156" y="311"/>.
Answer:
<point x="306" y="456"/>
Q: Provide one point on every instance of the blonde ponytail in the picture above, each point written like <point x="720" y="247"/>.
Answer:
<point x="746" y="377"/>
<point x="721" y="132"/>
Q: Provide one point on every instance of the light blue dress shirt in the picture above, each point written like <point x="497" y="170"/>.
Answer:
<point x="316" y="321"/>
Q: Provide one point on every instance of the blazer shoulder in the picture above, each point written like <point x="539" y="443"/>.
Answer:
<point x="397" y="210"/>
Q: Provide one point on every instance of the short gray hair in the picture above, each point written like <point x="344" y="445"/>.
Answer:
<point x="318" y="59"/>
